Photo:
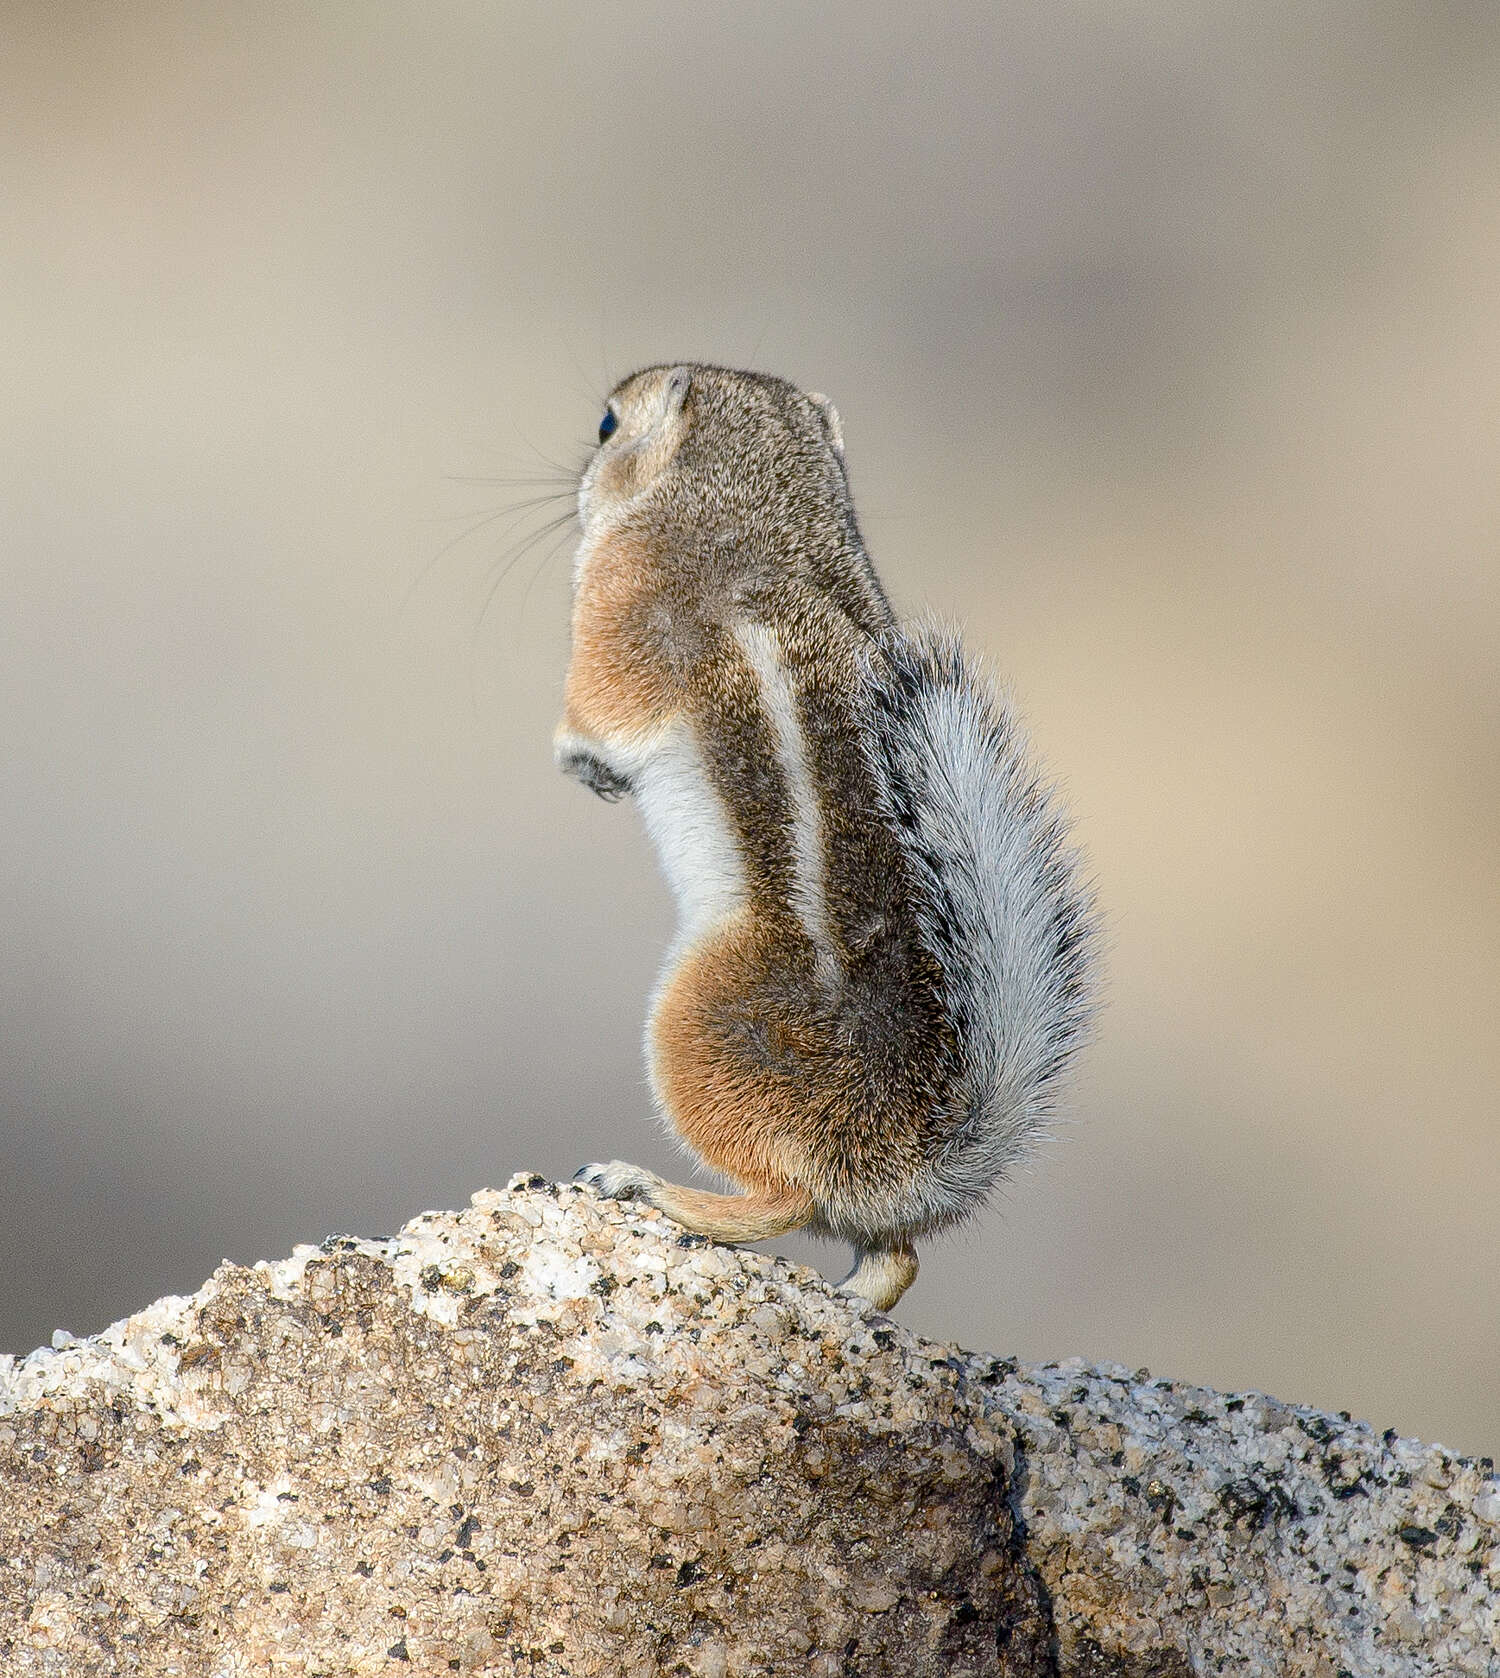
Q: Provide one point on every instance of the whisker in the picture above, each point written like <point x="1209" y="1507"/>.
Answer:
<point x="502" y="570"/>
<point x="605" y="359"/>
<point x="569" y="482"/>
<point x="557" y="466"/>
<point x="511" y="510"/>
<point x="509" y="558"/>
<point x="525" y="505"/>
<point x="510" y="513"/>
<point x="760" y="338"/>
<point x="581" y="380"/>
<point x="499" y="512"/>
<point x="535" y="578"/>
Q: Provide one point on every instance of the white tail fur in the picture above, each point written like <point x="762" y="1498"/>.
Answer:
<point x="1002" y="903"/>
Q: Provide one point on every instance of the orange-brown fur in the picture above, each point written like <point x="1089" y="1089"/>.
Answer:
<point x="614" y="686"/>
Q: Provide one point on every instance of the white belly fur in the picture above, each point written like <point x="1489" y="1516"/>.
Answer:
<point x="690" y="829"/>
<point x="685" y="818"/>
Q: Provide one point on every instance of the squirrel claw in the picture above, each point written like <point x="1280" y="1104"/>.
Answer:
<point x="616" y="1180"/>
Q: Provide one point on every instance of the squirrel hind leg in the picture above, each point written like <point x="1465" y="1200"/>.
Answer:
<point x="881" y="1274"/>
<point x="721" y="1217"/>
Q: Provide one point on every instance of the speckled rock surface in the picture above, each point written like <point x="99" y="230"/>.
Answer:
<point x="551" y="1434"/>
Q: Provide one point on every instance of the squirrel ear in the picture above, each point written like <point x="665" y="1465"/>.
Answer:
<point x="830" y="419"/>
<point x="674" y="392"/>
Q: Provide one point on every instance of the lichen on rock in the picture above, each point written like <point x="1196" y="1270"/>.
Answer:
<point x="554" y="1434"/>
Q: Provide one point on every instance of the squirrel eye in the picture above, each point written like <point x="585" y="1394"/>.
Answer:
<point x="607" y="425"/>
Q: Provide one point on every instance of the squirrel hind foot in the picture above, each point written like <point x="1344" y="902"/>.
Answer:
<point x="617" y="1180"/>
<point x="881" y="1275"/>
<point x="721" y="1217"/>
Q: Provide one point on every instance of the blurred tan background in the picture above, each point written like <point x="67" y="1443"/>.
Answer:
<point x="1167" y="342"/>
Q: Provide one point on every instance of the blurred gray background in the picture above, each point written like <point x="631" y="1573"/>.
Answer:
<point x="1167" y="343"/>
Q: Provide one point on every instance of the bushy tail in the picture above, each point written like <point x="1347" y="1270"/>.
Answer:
<point x="1003" y="904"/>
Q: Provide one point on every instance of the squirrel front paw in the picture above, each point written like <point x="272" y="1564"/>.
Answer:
<point x="617" y="1180"/>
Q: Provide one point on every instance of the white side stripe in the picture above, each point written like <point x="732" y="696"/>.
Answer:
<point x="809" y="897"/>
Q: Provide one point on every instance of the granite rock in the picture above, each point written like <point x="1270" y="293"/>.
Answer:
<point x="553" y="1434"/>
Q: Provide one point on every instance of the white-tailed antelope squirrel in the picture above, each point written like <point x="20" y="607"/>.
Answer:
<point x="883" y="961"/>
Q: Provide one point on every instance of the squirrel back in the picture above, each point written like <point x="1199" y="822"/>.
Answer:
<point x="882" y="963"/>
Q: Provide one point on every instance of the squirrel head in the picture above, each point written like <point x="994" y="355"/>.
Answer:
<point x="711" y="446"/>
<point x="708" y="467"/>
